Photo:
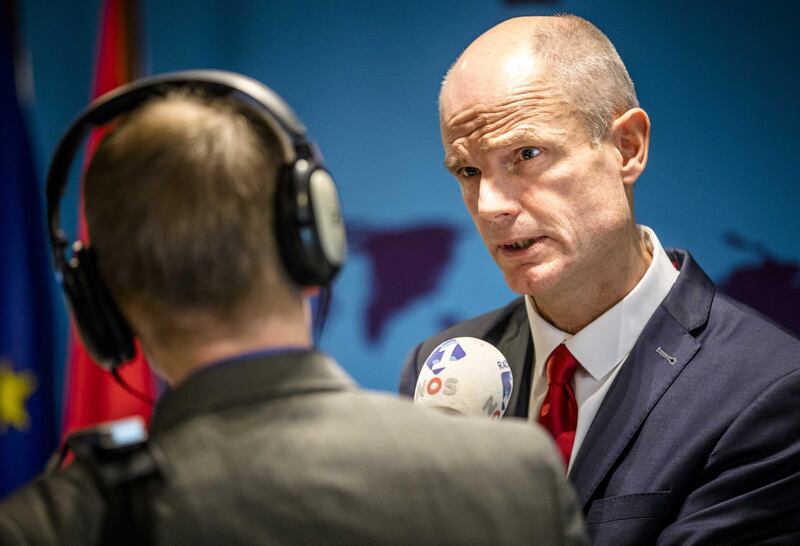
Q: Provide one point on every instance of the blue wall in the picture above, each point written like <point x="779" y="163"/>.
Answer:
<point x="719" y="80"/>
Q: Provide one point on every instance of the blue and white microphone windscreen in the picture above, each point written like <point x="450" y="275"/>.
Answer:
<point x="466" y="375"/>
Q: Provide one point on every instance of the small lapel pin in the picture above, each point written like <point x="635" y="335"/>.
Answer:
<point x="663" y="354"/>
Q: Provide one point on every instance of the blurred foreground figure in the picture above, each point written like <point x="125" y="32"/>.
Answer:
<point x="674" y="408"/>
<point x="209" y="213"/>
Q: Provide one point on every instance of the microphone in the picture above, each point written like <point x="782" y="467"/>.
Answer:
<point x="465" y="375"/>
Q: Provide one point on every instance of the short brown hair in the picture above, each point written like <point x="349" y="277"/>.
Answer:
<point x="585" y="65"/>
<point x="179" y="205"/>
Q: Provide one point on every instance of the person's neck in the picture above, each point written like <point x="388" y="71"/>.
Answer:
<point x="573" y="308"/>
<point x="178" y="361"/>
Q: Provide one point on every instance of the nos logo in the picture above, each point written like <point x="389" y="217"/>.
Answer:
<point x="434" y="385"/>
<point x="449" y="351"/>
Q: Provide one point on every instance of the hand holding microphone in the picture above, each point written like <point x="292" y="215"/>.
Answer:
<point x="466" y="375"/>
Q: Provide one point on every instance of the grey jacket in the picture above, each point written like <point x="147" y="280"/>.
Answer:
<point x="284" y="449"/>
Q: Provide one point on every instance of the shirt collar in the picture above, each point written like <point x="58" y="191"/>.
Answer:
<point x="607" y="340"/>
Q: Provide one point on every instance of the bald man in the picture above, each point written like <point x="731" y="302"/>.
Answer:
<point x="674" y="408"/>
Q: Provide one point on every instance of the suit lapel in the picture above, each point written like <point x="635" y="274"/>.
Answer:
<point x="663" y="350"/>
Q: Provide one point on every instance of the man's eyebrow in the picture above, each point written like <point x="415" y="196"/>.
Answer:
<point x="518" y="136"/>
<point x="521" y="135"/>
<point x="450" y="162"/>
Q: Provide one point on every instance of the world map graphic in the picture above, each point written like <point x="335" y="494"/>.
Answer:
<point x="405" y="264"/>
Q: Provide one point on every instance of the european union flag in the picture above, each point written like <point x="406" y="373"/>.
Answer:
<point x="27" y="406"/>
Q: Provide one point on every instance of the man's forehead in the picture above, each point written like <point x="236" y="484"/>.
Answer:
<point x="504" y="54"/>
<point x="537" y="105"/>
<point x="498" y="85"/>
<point x="485" y="78"/>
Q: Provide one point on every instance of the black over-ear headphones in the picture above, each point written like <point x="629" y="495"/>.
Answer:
<point x="308" y="222"/>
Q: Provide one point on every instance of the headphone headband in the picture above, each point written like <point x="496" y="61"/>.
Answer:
<point x="276" y="113"/>
<point x="308" y="223"/>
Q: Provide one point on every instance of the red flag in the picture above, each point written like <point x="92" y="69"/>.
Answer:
<point x="92" y="393"/>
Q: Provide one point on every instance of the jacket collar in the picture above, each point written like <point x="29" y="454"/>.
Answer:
<point x="689" y="301"/>
<point x="247" y="379"/>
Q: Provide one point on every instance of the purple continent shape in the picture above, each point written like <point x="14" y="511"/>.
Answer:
<point x="405" y="265"/>
<point x="770" y="287"/>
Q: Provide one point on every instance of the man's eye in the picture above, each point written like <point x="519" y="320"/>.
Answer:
<point x="468" y="172"/>
<point x="529" y="152"/>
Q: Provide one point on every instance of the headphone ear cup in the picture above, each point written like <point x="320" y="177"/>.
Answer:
<point x="104" y="331"/>
<point x="309" y="225"/>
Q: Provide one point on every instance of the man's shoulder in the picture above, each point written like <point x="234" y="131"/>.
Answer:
<point x="331" y="414"/>
<point x="464" y="444"/>
<point x="58" y="508"/>
<point x="735" y="333"/>
<point x="386" y="438"/>
<point x="336" y="448"/>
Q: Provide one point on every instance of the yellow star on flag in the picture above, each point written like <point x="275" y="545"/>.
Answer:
<point x="15" y="389"/>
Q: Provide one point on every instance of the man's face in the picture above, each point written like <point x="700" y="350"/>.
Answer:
<point x="550" y="206"/>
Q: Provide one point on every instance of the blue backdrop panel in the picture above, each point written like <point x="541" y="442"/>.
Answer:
<point x="719" y="85"/>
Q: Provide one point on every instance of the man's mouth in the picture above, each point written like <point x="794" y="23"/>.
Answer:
<point x="519" y="245"/>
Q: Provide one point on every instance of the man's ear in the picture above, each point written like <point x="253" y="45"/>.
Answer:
<point x="630" y="134"/>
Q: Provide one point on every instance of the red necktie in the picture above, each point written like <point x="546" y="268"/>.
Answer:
<point x="559" y="412"/>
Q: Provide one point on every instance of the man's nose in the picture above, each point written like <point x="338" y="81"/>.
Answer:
<point x="497" y="201"/>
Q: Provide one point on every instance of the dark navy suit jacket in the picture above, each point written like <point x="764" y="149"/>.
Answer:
<point x="699" y="448"/>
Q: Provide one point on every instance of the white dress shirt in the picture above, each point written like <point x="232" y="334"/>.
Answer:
<point x="602" y="346"/>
